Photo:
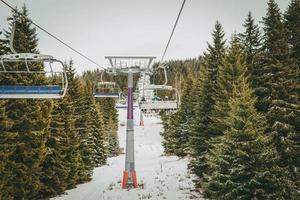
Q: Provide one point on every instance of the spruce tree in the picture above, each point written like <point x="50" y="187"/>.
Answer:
<point x="84" y="124"/>
<point x="55" y="169"/>
<point x="100" y="145"/>
<point x="29" y="119"/>
<point x="251" y="41"/>
<point x="3" y="48"/>
<point x="268" y="64"/>
<point x="200" y="128"/>
<point x="7" y="148"/>
<point x="99" y="153"/>
<point x="292" y="23"/>
<point x="108" y="114"/>
<point x="250" y="38"/>
<point x="73" y="158"/>
<point x="3" y="156"/>
<point x="72" y="151"/>
<point x="60" y="168"/>
<point x="274" y="81"/>
<point x="275" y="34"/>
<point x="167" y="137"/>
<point x="243" y="165"/>
<point x="82" y="117"/>
<point x="110" y="120"/>
<point x="176" y="134"/>
<point x="112" y="138"/>
<point x="107" y="106"/>
<point x="231" y="68"/>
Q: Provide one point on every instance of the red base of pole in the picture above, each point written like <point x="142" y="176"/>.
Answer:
<point x="134" y="179"/>
<point x="125" y="179"/>
<point x="142" y="123"/>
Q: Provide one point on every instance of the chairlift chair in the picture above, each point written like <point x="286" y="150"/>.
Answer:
<point x="10" y="67"/>
<point x="156" y="104"/>
<point x="36" y="91"/>
<point x="106" y="90"/>
<point x="122" y="99"/>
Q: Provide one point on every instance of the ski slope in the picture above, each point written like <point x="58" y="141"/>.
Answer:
<point x="159" y="177"/>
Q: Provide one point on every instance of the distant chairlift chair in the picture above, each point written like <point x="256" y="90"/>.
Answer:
<point x="156" y="104"/>
<point x="106" y="90"/>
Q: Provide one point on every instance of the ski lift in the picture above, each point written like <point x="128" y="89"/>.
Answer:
<point x="106" y="89"/>
<point x="10" y="67"/>
<point x="122" y="99"/>
<point x="156" y="103"/>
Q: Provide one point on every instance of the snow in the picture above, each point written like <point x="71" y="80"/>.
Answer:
<point x="159" y="177"/>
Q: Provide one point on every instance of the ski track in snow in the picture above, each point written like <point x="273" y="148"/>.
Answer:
<point x="163" y="177"/>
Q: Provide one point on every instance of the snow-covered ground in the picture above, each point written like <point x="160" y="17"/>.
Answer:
<point x="159" y="177"/>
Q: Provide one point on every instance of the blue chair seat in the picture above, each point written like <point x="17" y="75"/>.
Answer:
<point x="17" y="89"/>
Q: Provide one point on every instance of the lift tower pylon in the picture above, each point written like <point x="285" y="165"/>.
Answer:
<point x="129" y="65"/>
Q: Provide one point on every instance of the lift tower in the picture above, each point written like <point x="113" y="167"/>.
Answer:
<point x="129" y="65"/>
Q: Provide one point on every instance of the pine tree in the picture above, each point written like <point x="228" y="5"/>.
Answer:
<point x="80" y="103"/>
<point x="3" y="155"/>
<point x="110" y="120"/>
<point x="108" y="113"/>
<point x="55" y="169"/>
<point x="275" y="79"/>
<point x="231" y="68"/>
<point x="201" y="129"/>
<point x="85" y="133"/>
<point x="166" y="134"/>
<point x="275" y="34"/>
<point x="99" y="153"/>
<point x="107" y="106"/>
<point x="292" y="22"/>
<point x="177" y="132"/>
<point x="7" y="148"/>
<point x="29" y="120"/>
<point x="251" y="41"/>
<point x="3" y="48"/>
<point x="269" y="63"/>
<point x="74" y="95"/>
<point x="250" y="38"/>
<point x="243" y="165"/>
<point x="112" y="138"/>
<point x="170" y="143"/>
<point x="72" y="153"/>
<point x="100" y="146"/>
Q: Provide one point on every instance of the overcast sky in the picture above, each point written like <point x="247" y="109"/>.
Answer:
<point x="133" y="27"/>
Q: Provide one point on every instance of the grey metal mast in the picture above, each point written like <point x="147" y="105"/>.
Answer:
<point x="129" y="65"/>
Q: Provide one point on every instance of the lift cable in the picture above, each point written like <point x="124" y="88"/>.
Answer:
<point x="160" y="66"/>
<point x="50" y="34"/>
<point x="173" y="30"/>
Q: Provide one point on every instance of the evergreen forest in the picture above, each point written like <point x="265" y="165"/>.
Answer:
<point x="238" y="122"/>
<point x="239" y="117"/>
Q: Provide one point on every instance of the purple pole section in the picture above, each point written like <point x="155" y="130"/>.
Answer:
<point x="130" y="103"/>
